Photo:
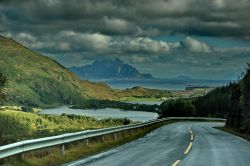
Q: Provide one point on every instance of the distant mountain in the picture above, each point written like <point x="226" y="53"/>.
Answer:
<point x="108" y="69"/>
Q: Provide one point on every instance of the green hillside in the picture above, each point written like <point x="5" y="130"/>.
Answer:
<point x="34" y="79"/>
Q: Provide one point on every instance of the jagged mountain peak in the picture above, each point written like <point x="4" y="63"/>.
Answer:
<point x="109" y="68"/>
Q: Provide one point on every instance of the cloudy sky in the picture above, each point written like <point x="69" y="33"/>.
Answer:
<point x="167" y="38"/>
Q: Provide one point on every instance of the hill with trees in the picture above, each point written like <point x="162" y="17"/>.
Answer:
<point x="37" y="80"/>
<point x="231" y="102"/>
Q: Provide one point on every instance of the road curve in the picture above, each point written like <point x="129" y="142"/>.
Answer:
<point x="212" y="147"/>
<point x="172" y="145"/>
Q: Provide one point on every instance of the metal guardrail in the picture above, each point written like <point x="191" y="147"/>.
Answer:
<point x="35" y="144"/>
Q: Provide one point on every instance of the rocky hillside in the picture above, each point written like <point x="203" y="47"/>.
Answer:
<point x="34" y="79"/>
<point x="101" y="69"/>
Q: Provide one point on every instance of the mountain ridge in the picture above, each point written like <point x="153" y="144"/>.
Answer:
<point x="109" y="69"/>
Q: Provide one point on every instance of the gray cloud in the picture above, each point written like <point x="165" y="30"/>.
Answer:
<point x="194" y="45"/>
<point x="76" y="32"/>
<point x="71" y="41"/>
<point x="228" y="18"/>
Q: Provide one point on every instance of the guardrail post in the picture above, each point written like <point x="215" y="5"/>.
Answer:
<point x="123" y="134"/>
<point x="22" y="156"/>
<point x="86" y="141"/>
<point x="130" y="132"/>
<point x="115" y="138"/>
<point x="62" y="149"/>
<point x="103" y="139"/>
<point x="1" y="161"/>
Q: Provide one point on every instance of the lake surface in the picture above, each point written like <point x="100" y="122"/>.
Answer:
<point x="144" y="102"/>
<point x="164" y="84"/>
<point x="103" y="113"/>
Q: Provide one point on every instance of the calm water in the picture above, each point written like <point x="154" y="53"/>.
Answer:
<point x="165" y="84"/>
<point x="145" y="102"/>
<point x="103" y="113"/>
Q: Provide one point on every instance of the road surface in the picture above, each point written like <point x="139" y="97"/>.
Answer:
<point x="182" y="143"/>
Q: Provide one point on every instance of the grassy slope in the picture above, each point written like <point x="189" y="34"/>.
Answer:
<point x="17" y="125"/>
<point x="34" y="79"/>
<point x="144" y="92"/>
<point x="98" y="90"/>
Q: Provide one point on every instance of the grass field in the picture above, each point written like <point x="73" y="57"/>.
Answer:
<point x="17" y="125"/>
<point x="139" y="99"/>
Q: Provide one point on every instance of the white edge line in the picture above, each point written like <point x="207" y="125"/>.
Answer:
<point x="192" y="137"/>
<point x="188" y="148"/>
<point x="176" y="162"/>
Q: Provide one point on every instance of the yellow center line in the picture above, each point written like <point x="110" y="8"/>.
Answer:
<point x="188" y="148"/>
<point x="191" y="132"/>
<point x="176" y="162"/>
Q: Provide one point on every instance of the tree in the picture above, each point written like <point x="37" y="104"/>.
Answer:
<point x="2" y="83"/>
<point x="246" y="101"/>
<point x="234" y="115"/>
<point x="177" y="108"/>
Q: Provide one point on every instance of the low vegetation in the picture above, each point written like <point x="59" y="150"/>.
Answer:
<point x="141" y="92"/>
<point x="98" y="104"/>
<point x="140" y="99"/>
<point x="18" y="125"/>
<point x="177" y="108"/>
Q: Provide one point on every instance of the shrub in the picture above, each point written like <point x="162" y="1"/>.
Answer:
<point x="177" y="108"/>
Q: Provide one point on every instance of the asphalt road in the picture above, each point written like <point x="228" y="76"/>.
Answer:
<point x="182" y="143"/>
<point x="213" y="147"/>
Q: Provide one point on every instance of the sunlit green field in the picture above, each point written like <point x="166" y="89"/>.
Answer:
<point x="17" y="125"/>
<point x="139" y="99"/>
